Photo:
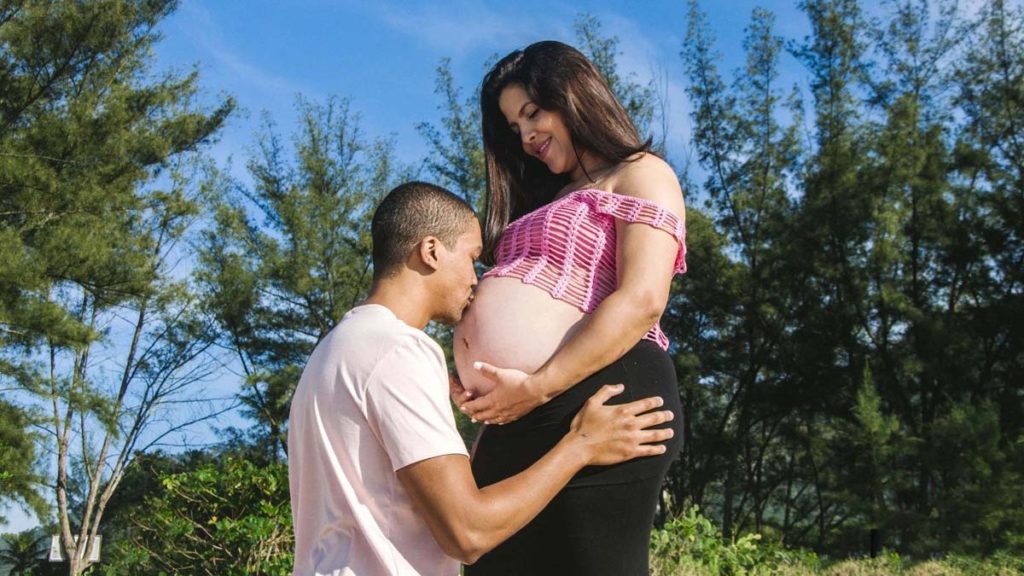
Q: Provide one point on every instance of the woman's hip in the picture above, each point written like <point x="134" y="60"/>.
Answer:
<point x="645" y="370"/>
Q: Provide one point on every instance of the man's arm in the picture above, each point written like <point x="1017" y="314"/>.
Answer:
<point x="468" y="521"/>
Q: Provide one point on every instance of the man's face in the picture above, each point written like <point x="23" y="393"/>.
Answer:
<point x="457" y="274"/>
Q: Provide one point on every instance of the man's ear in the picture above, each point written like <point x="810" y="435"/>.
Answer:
<point x="429" y="252"/>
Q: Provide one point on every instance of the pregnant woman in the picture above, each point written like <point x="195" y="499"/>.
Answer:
<point x="585" y="230"/>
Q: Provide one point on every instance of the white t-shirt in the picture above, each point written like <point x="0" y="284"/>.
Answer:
<point x="372" y="399"/>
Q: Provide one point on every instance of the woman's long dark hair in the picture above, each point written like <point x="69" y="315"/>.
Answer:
<point x="556" y="77"/>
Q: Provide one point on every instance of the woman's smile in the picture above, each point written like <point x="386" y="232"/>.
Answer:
<point x="541" y="151"/>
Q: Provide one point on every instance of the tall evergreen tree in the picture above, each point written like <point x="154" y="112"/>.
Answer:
<point x="831" y="231"/>
<point x="889" y="248"/>
<point x="749" y="158"/>
<point x="906" y="180"/>
<point x="981" y="340"/>
<point x="290" y="253"/>
<point x="456" y="151"/>
<point x="94" y="157"/>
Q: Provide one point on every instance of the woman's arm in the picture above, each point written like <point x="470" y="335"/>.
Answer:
<point x="645" y="259"/>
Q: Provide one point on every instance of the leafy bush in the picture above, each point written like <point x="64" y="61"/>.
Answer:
<point x="692" y="544"/>
<point x="229" y="517"/>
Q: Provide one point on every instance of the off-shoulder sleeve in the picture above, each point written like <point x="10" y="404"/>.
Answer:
<point x="641" y="211"/>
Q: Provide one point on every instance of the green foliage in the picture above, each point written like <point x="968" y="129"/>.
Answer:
<point x="980" y="479"/>
<point x="98" y="176"/>
<point x="850" y="338"/>
<point x="288" y="256"/>
<point x="20" y="553"/>
<point x="690" y="543"/>
<point x="19" y="471"/>
<point x="1000" y="563"/>
<point x="228" y="517"/>
<point x="456" y="152"/>
<point x="876" y="448"/>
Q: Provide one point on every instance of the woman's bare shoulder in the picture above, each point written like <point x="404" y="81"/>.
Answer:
<point x="651" y="178"/>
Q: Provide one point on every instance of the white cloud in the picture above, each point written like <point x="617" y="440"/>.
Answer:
<point x="199" y="26"/>
<point x="457" y="28"/>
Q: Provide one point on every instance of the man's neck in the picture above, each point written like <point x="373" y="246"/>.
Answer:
<point x="406" y="300"/>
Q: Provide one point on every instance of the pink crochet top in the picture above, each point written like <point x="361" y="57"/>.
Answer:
<point x="567" y="247"/>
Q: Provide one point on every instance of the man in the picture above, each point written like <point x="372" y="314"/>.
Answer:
<point x="380" y="479"/>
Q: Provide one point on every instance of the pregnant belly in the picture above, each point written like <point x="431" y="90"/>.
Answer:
<point x="510" y="325"/>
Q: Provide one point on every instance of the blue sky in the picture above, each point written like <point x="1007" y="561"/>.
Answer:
<point x="382" y="55"/>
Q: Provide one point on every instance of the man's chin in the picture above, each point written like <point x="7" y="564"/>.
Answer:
<point x="451" y="318"/>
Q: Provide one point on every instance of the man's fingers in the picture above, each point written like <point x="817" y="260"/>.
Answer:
<point x="654" y="418"/>
<point x="650" y="442"/>
<point x="606" y="392"/>
<point x="649" y="450"/>
<point x="507" y="419"/>
<point x="644" y="405"/>
<point x="656" y="435"/>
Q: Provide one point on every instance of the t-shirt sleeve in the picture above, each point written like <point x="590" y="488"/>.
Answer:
<point x="641" y="211"/>
<point x="407" y="403"/>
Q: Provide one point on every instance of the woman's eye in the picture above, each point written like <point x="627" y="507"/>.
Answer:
<point x="533" y="114"/>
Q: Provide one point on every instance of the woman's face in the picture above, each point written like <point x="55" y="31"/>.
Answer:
<point x="543" y="133"/>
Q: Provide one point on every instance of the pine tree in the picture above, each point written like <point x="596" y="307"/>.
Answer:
<point x="97" y="161"/>
<point x="456" y="151"/>
<point x="290" y="254"/>
<point x="20" y="471"/>
<point x="749" y="158"/>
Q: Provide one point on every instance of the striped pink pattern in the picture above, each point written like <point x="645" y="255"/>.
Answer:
<point x="567" y="247"/>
